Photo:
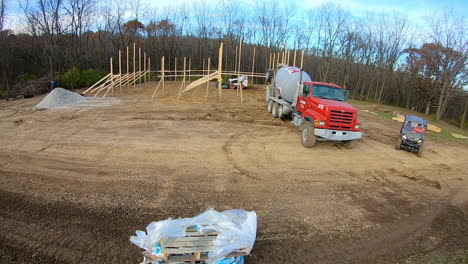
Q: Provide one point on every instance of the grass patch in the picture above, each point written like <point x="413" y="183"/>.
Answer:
<point x="458" y="257"/>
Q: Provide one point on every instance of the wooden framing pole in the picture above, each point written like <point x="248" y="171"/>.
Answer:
<point x="144" y="67"/>
<point x="163" y="74"/>
<point x="287" y="60"/>
<point x="253" y="65"/>
<point x="111" y="87"/>
<point x="208" y="73"/>
<point x="302" y="60"/>
<point x="183" y="81"/>
<point x="273" y="61"/>
<point x="139" y="64"/>
<point x="220" y="71"/>
<point x="149" y="69"/>
<point x="294" y="61"/>
<point x="120" y="72"/>
<point x="235" y="62"/>
<point x="189" y="70"/>
<point x="134" y="64"/>
<point x="128" y="65"/>
<point x="239" y="83"/>
<point x="203" y="67"/>
<point x="278" y="59"/>
<point x="175" y="70"/>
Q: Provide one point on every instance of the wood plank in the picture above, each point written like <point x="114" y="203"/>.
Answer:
<point x="188" y="250"/>
<point x="169" y="243"/>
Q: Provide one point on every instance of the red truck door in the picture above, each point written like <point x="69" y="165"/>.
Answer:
<point x="302" y="100"/>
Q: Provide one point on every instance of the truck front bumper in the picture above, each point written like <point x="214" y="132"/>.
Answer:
<point x="337" y="135"/>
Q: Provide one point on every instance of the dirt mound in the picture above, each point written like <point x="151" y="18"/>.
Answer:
<point x="59" y="98"/>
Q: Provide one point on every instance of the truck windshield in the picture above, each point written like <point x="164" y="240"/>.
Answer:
<point x="328" y="92"/>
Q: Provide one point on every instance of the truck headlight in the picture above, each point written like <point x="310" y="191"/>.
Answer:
<point x="419" y="141"/>
<point x="404" y="137"/>
<point x="357" y="126"/>
<point x="319" y="123"/>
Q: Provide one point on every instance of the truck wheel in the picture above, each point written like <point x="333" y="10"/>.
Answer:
<point x="308" y="136"/>
<point x="398" y="144"/>
<point x="420" y="151"/>
<point x="275" y="110"/>
<point x="270" y="105"/>
<point x="281" y="114"/>
<point x="349" y="144"/>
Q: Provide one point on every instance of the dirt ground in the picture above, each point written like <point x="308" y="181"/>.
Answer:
<point x="76" y="183"/>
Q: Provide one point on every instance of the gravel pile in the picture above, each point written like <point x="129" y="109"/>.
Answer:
<point x="60" y="98"/>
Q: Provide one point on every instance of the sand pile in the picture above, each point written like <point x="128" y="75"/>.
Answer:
<point x="59" y="98"/>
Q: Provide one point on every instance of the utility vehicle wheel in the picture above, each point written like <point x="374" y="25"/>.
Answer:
<point x="275" y="110"/>
<point x="349" y="144"/>
<point x="308" y="136"/>
<point x="420" y="151"/>
<point x="270" y="105"/>
<point x="398" y="144"/>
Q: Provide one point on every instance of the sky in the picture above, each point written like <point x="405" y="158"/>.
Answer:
<point x="416" y="10"/>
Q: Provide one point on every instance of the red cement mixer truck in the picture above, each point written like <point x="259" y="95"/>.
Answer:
<point x="318" y="109"/>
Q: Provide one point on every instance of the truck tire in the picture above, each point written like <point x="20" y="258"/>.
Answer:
<point x="420" y="151"/>
<point x="349" y="144"/>
<point x="398" y="144"/>
<point x="270" y="106"/>
<point x="275" y="110"/>
<point x="281" y="114"/>
<point x="308" y="136"/>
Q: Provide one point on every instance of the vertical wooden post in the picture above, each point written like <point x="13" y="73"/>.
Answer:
<point x="273" y="61"/>
<point x="287" y="61"/>
<point x="144" y="67"/>
<point x="203" y="67"/>
<point x="139" y="65"/>
<point x="235" y="63"/>
<point x="120" y="72"/>
<point x="163" y="73"/>
<point x="182" y="85"/>
<point x="239" y="83"/>
<point x="220" y="70"/>
<point x="175" y="70"/>
<point x="253" y="65"/>
<point x="302" y="60"/>
<point x="149" y="69"/>
<point x="208" y="73"/>
<point x="269" y="61"/>
<point x="294" y="61"/>
<point x="128" y="65"/>
<point x="134" y="63"/>
<point x="112" y="75"/>
<point x="278" y="59"/>
<point x="189" y="70"/>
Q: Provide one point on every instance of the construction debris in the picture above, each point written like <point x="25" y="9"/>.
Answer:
<point x="210" y="237"/>
<point x="458" y="136"/>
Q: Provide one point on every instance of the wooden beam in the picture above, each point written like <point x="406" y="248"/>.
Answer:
<point x="239" y="84"/>
<point x="235" y="63"/>
<point x="149" y="69"/>
<point x="175" y="70"/>
<point x="128" y="65"/>
<point x="201" y="81"/>
<point x="253" y="65"/>
<point x="183" y="81"/>
<point x="208" y="73"/>
<point x="139" y="62"/>
<point x="189" y="69"/>
<point x="302" y="60"/>
<point x="144" y="66"/>
<point x="134" y="63"/>
<point x="294" y="61"/>
<point x="120" y="72"/>
<point x="273" y="61"/>
<point x="220" y="70"/>
<point x="98" y="82"/>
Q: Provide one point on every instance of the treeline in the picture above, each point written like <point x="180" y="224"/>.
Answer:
<point x="379" y="57"/>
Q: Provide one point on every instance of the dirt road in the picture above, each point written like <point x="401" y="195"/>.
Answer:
<point x="76" y="183"/>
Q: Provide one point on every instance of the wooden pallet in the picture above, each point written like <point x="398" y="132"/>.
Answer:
<point x="192" y="248"/>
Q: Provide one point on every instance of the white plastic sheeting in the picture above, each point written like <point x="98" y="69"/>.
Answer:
<point x="237" y="229"/>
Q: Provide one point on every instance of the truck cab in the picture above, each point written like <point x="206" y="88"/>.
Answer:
<point x="324" y="106"/>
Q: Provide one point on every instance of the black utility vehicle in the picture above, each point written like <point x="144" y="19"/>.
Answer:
<point x="412" y="134"/>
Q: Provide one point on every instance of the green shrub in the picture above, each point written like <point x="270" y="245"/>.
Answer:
<point x="75" y="79"/>
<point x="3" y="93"/>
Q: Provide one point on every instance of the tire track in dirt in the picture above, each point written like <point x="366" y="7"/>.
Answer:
<point x="227" y="149"/>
